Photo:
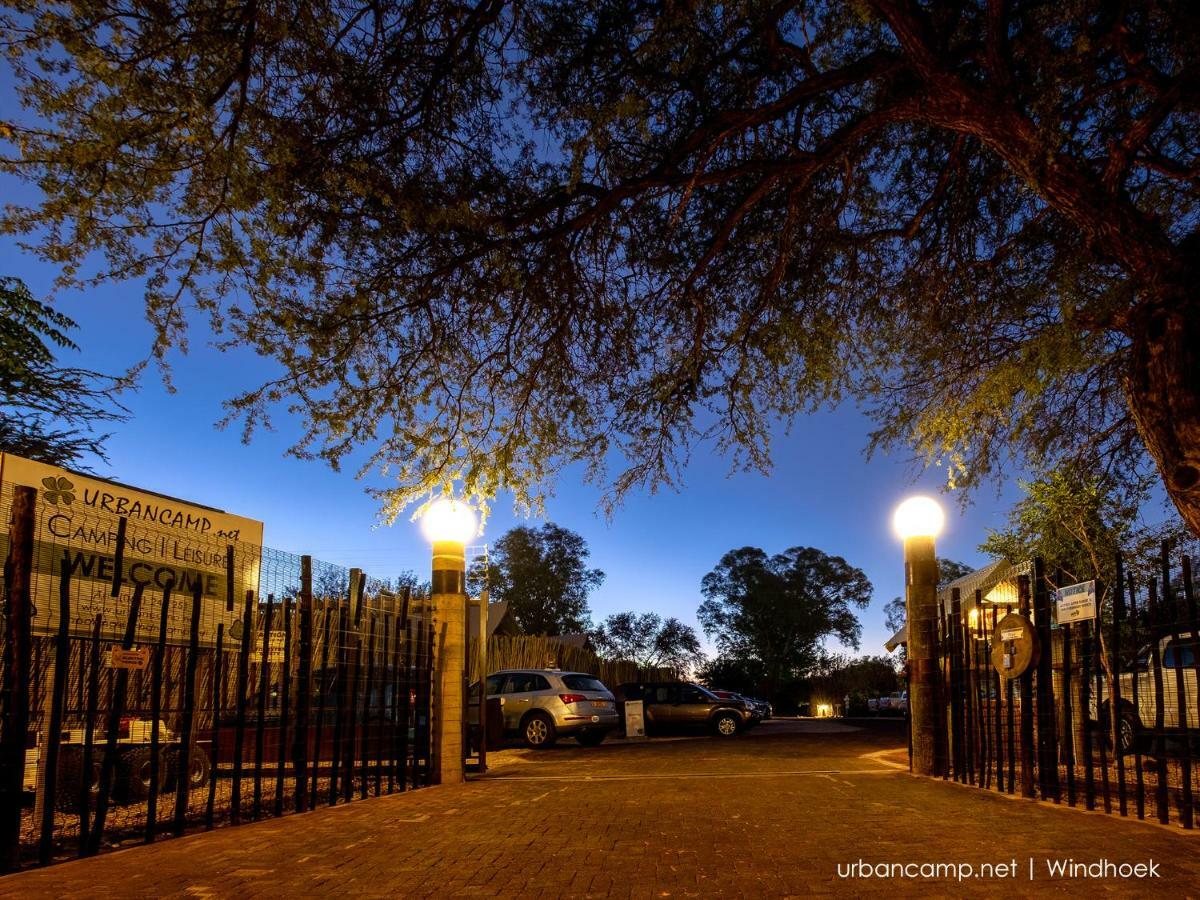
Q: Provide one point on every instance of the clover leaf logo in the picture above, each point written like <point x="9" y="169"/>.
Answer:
<point x="58" y="490"/>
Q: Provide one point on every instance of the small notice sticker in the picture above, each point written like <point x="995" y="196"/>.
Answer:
<point x="119" y="658"/>
<point x="1012" y="634"/>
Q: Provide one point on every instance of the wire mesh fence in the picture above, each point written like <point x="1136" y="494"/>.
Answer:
<point x="1106" y="716"/>
<point x="159" y="681"/>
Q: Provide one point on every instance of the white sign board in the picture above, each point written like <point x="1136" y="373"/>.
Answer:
<point x="635" y="725"/>
<point x="1076" y="602"/>
<point x="167" y="542"/>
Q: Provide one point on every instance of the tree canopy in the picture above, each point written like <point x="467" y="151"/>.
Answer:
<point x="860" y="678"/>
<point x="747" y="676"/>
<point x="1080" y="522"/>
<point x="490" y="240"/>
<point x="778" y="609"/>
<point x="48" y="412"/>
<point x="648" y="640"/>
<point x="542" y="574"/>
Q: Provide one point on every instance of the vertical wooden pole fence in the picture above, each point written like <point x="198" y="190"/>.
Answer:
<point x="183" y="767"/>
<point x="18" y="652"/>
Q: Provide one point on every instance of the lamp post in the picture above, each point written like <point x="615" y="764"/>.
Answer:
<point x="918" y="520"/>
<point x="449" y="524"/>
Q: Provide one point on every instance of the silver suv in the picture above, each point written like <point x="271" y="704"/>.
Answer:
<point x="542" y="705"/>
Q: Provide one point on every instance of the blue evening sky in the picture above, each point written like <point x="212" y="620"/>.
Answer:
<point x="822" y="493"/>
<point x="655" y="549"/>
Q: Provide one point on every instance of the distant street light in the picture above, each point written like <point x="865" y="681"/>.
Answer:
<point x="448" y="524"/>
<point x="918" y="520"/>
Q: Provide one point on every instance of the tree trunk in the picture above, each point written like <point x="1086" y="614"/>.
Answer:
<point x="1162" y="389"/>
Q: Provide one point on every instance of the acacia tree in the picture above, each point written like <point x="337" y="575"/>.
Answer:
<point x="648" y="640"/>
<point x="493" y="239"/>
<point x="1080" y="522"/>
<point x="542" y="574"/>
<point x="48" y="412"/>
<point x="777" y="609"/>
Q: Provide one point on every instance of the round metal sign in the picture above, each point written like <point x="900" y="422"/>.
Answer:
<point x="1014" y="646"/>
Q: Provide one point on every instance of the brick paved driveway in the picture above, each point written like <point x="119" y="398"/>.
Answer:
<point x="771" y="814"/>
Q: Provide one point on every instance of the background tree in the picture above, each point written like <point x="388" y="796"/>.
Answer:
<point x="648" y="640"/>
<point x="1080" y="521"/>
<point x="777" y="609"/>
<point x="47" y="412"/>
<point x="952" y="570"/>
<point x="746" y="675"/>
<point x="839" y="676"/>
<point x="499" y="239"/>
<point x="895" y="612"/>
<point x="542" y="574"/>
<point x="405" y="580"/>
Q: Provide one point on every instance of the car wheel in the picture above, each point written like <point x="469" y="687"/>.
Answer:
<point x="1128" y="730"/>
<point x="726" y="725"/>
<point x="591" y="738"/>
<point x="198" y="766"/>
<point x="539" y="732"/>
<point x="136" y="771"/>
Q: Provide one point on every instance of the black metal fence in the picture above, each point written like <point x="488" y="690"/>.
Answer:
<point x="1108" y="714"/>
<point x="154" y="685"/>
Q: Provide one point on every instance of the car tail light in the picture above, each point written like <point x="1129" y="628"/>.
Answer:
<point x="572" y="698"/>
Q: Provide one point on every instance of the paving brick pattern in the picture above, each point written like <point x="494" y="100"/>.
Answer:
<point x="770" y="814"/>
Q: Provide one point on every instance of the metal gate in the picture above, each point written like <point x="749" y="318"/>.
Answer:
<point x="150" y="707"/>
<point x="1108" y="716"/>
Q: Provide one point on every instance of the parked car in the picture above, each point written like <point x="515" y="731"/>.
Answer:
<point x="872" y="705"/>
<point x="542" y="705"/>
<point x="1137" y="717"/>
<point x="760" y="708"/>
<point x="764" y="708"/>
<point x="678" y="706"/>
<point x="755" y="715"/>
<point x="894" y="704"/>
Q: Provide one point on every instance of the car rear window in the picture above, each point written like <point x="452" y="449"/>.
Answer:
<point x="583" y="683"/>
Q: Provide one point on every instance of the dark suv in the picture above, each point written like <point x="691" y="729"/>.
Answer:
<point x="679" y="706"/>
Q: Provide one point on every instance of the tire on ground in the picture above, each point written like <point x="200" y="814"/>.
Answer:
<point x="726" y="724"/>
<point x="136" y="771"/>
<point x="198" y="762"/>
<point x="538" y="731"/>
<point x="1129" y="731"/>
